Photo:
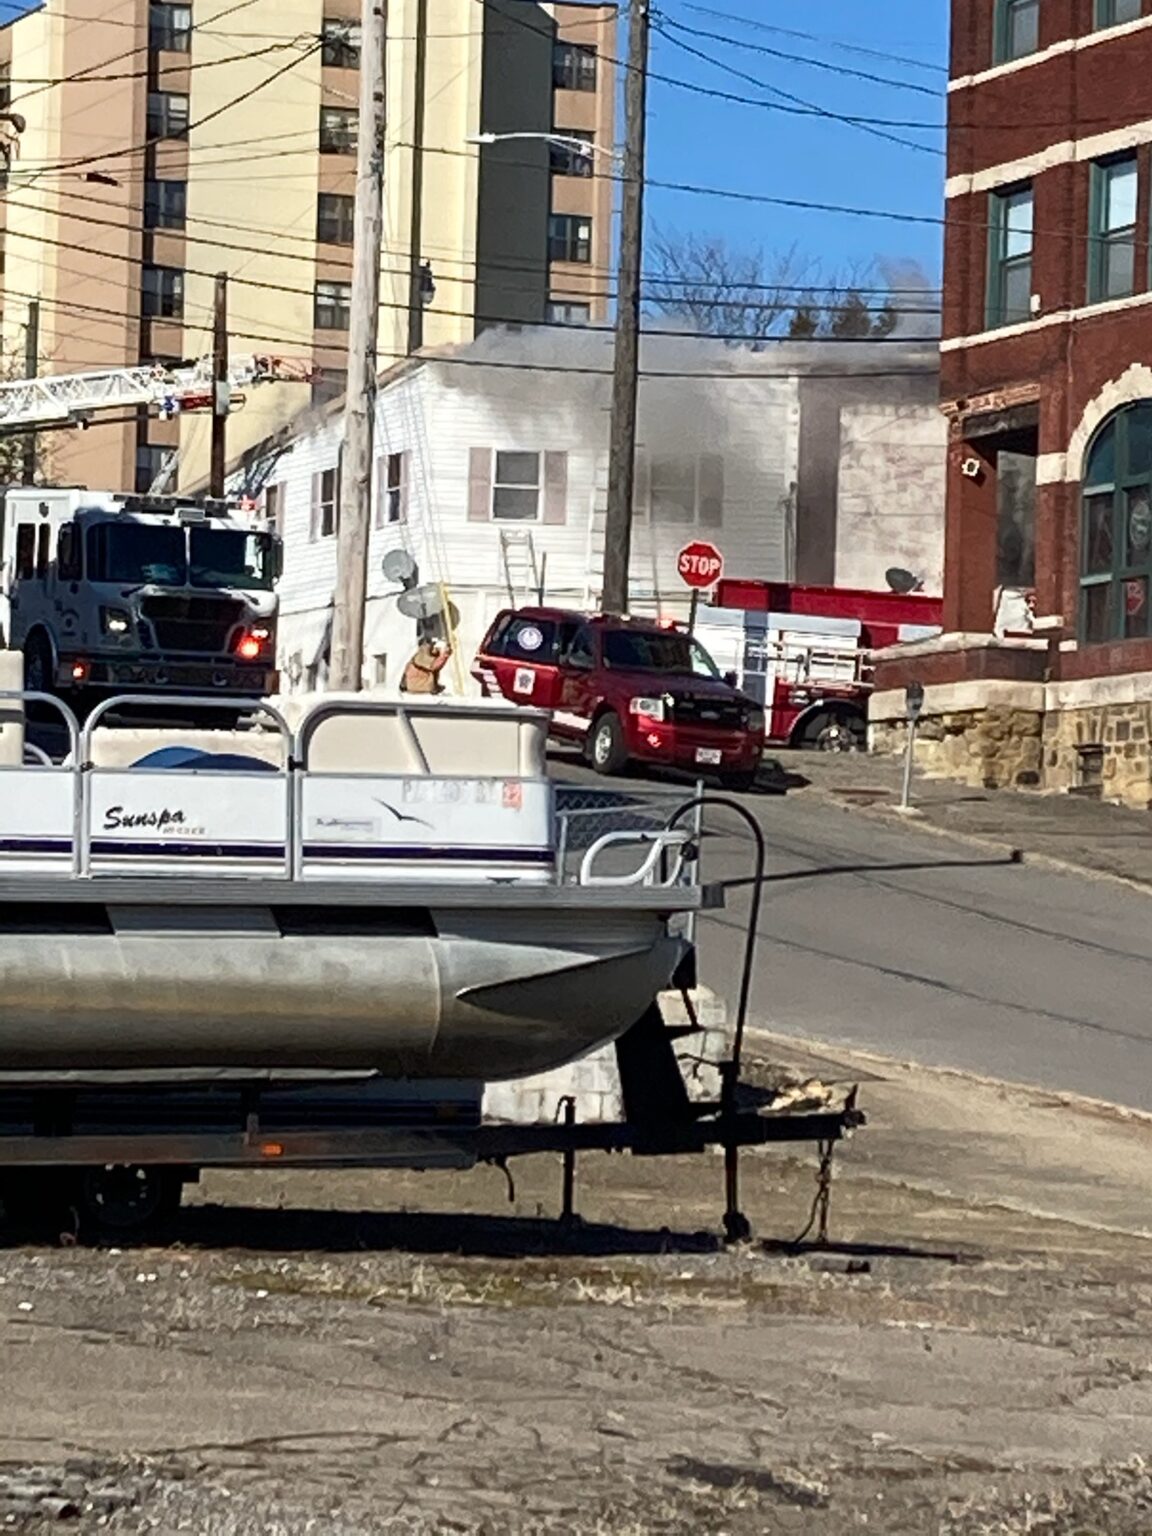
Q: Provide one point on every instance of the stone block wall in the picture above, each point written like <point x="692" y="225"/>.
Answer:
<point x="594" y="1082"/>
<point x="1105" y="750"/>
<point x="996" y="743"/>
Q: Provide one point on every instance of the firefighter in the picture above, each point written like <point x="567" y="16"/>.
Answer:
<point x="422" y="674"/>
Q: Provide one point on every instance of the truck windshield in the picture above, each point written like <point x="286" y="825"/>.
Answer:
<point x="230" y="557"/>
<point x="137" y="553"/>
<point x="640" y="651"/>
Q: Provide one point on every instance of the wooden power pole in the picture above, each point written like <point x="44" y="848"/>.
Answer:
<point x="626" y="367"/>
<point x="31" y="369"/>
<point x="219" y="463"/>
<point x="416" y="227"/>
<point x="355" y="510"/>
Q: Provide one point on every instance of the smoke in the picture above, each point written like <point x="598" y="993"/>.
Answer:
<point x="915" y="301"/>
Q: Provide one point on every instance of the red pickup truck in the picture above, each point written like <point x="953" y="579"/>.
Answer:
<point x="626" y="689"/>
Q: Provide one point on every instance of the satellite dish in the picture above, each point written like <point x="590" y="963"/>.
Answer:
<point x="424" y="602"/>
<point x="902" y="581"/>
<point x="399" y="566"/>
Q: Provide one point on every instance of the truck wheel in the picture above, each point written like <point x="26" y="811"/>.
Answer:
<point x="832" y="732"/>
<point x="607" y="748"/>
<point x="38" y="676"/>
<point x="125" y="1200"/>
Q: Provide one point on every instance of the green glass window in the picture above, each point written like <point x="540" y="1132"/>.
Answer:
<point x="1110" y="13"/>
<point x="1116" y="529"/>
<point x="1017" y="29"/>
<point x="1112" y="229"/>
<point x="1009" y="256"/>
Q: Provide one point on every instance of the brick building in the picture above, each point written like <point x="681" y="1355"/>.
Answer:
<point x="1045" y="673"/>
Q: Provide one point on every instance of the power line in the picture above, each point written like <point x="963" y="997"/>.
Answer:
<point x="812" y="37"/>
<point x="798" y="58"/>
<point x="877" y="127"/>
<point x="208" y="117"/>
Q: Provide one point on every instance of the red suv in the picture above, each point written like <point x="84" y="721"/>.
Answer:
<point x="627" y="689"/>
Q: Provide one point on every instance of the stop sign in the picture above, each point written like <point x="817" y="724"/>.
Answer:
<point x="700" y="564"/>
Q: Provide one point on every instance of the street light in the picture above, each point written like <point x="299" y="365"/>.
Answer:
<point x="570" y="141"/>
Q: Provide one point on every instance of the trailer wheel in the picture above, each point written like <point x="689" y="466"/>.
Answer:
<point x="607" y="748"/>
<point x="126" y="1200"/>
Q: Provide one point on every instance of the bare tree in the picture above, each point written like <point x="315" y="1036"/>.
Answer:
<point x="716" y="290"/>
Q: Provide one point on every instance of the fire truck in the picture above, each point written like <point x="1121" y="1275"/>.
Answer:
<point x="157" y="594"/>
<point x="804" y="653"/>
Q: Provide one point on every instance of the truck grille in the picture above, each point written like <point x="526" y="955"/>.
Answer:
<point x="196" y="624"/>
<point x="712" y="714"/>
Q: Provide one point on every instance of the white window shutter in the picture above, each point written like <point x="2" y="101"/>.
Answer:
<point x="555" y="488"/>
<point x="479" y="485"/>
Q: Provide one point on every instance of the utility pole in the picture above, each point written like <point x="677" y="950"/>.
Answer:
<point x="416" y="281"/>
<point x="346" y="671"/>
<point x="218" y="466"/>
<point x="31" y="369"/>
<point x="626" y="365"/>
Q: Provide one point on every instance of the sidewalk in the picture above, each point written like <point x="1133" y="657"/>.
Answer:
<point x="1064" y="829"/>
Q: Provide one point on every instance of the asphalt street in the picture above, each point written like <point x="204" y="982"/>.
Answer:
<point x="929" y="950"/>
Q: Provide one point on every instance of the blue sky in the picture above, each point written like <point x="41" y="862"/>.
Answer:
<point x="719" y="143"/>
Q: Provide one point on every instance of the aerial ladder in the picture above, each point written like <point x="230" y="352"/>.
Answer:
<point x="75" y="399"/>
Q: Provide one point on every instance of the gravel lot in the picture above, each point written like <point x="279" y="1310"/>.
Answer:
<point x="357" y="1354"/>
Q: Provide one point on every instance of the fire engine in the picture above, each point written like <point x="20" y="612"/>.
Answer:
<point x="804" y="653"/>
<point x="165" y="594"/>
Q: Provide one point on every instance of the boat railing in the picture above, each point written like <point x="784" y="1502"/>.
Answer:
<point x="359" y="789"/>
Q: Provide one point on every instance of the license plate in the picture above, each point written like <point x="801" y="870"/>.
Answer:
<point x="709" y="756"/>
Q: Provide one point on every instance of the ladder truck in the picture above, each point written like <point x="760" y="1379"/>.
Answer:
<point x="104" y="591"/>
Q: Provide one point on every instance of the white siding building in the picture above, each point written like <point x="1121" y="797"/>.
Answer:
<point x="492" y="472"/>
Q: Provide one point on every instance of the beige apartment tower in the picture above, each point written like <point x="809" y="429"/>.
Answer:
<point x="168" y="142"/>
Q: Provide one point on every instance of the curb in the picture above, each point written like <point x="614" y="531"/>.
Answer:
<point x="1009" y="851"/>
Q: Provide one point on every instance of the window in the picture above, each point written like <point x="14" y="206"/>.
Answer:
<point x="573" y="67"/>
<point x="332" y="306"/>
<point x="334" y="216"/>
<point x="341" y="44"/>
<point x="136" y="553"/>
<point x="167" y="115"/>
<point x="338" y="130"/>
<point x="682" y="492"/>
<point x="581" y="654"/>
<point x="230" y="557"/>
<point x="1111" y="13"/>
<point x="5" y="85"/>
<point x="43" y="549"/>
<point x="165" y="204"/>
<point x="1116" y="528"/>
<point x="1010" y="257"/>
<point x="1112" y="229"/>
<point x="1017" y="29"/>
<point x="569" y="237"/>
<point x="162" y="293"/>
<point x="561" y="312"/>
<point x="391" y="505"/>
<point x="565" y="158"/>
<point x="326" y="503"/>
<point x="169" y="27"/>
<point x="659" y="651"/>
<point x="68" y="566"/>
<point x="151" y="462"/>
<point x="516" y="487"/>
<point x="25" y="550"/>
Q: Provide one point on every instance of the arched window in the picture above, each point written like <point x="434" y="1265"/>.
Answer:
<point x="1116" y="528"/>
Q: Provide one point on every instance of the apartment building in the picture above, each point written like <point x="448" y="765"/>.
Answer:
<point x="1046" y="675"/>
<point x="168" y="142"/>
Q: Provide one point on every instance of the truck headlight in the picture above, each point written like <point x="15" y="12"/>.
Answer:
<point x="651" y="709"/>
<point x="114" y="621"/>
<point x="754" y="720"/>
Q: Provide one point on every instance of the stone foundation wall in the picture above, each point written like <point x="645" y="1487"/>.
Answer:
<point x="1106" y="750"/>
<point x="1025" y="739"/>
<point x="988" y="736"/>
